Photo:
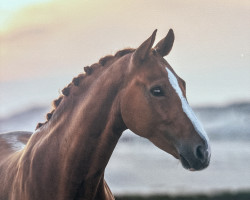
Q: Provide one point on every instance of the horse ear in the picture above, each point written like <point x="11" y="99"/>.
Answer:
<point x="165" y="45"/>
<point x="143" y="50"/>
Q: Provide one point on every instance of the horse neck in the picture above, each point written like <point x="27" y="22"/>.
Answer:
<point x="83" y="133"/>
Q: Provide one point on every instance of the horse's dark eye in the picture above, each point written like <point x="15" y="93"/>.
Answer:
<point x="157" y="91"/>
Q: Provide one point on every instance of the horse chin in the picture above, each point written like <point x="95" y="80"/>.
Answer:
<point x="192" y="166"/>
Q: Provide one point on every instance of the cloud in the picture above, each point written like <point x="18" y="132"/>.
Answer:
<point x="61" y="36"/>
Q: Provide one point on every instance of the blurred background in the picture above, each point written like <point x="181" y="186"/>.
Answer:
<point x="45" y="43"/>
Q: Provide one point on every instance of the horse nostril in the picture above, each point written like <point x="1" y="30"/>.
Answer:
<point x="200" y="153"/>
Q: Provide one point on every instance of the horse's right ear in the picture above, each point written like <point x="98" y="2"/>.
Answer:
<point x="165" y="45"/>
<point x="144" y="49"/>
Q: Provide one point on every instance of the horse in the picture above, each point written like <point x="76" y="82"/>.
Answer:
<point x="136" y="89"/>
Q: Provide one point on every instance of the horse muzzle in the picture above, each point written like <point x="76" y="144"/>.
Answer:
<point x="195" y="159"/>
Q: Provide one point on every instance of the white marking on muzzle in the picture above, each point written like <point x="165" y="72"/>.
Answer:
<point x="187" y="109"/>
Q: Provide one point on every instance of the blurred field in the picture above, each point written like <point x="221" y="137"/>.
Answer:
<point x="138" y="168"/>
<point x="222" y="196"/>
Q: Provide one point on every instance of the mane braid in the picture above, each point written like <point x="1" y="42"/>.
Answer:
<point x="49" y="115"/>
<point x="124" y="52"/>
<point x="57" y="102"/>
<point x="105" y="59"/>
<point x="39" y="125"/>
<point x="109" y="59"/>
<point x="88" y="70"/>
<point x="76" y="81"/>
<point x="66" y="91"/>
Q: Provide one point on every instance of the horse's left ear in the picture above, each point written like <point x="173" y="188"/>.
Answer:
<point x="144" y="49"/>
<point x="165" y="45"/>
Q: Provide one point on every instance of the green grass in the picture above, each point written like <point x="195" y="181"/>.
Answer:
<point x="223" y="196"/>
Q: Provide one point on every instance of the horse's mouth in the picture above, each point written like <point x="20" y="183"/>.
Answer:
<point x="192" y="166"/>
<point x="185" y="163"/>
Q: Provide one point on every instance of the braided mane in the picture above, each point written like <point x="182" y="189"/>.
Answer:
<point x="103" y="62"/>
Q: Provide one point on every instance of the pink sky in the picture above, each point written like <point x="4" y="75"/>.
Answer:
<point x="57" y="38"/>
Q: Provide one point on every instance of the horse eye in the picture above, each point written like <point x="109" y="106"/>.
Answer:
<point x="157" y="91"/>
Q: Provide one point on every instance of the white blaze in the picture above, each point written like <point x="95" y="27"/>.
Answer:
<point x="187" y="109"/>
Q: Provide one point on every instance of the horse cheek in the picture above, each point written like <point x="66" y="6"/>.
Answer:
<point x="135" y="113"/>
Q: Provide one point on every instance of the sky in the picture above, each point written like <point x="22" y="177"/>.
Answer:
<point x="44" y="43"/>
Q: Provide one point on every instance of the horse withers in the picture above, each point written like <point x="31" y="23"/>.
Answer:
<point x="134" y="89"/>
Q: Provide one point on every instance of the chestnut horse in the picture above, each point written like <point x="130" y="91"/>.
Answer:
<point x="66" y="157"/>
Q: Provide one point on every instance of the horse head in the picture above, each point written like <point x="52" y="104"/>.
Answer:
<point x="154" y="105"/>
